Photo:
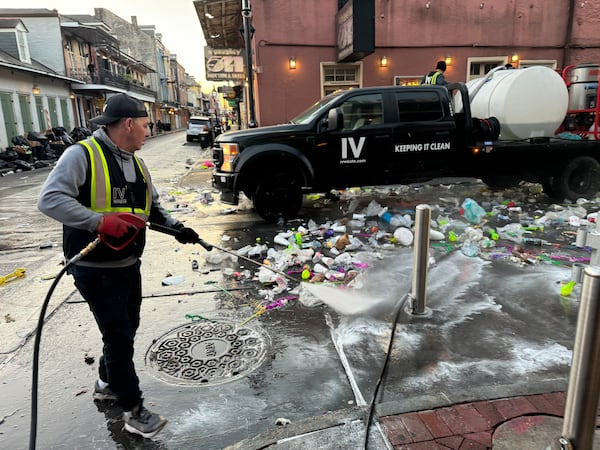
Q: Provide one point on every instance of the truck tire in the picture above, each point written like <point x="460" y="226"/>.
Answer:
<point x="580" y="178"/>
<point x="278" y="195"/>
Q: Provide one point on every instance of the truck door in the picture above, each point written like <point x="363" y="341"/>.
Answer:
<point x="351" y="154"/>
<point x="423" y="135"/>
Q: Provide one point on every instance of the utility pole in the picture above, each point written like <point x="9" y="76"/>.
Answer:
<point x="248" y="32"/>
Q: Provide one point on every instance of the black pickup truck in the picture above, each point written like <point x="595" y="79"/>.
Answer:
<point x="391" y="135"/>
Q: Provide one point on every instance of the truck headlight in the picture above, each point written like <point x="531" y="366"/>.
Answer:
<point x="230" y="151"/>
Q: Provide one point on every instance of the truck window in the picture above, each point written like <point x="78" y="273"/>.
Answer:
<point x="419" y="106"/>
<point x="362" y="111"/>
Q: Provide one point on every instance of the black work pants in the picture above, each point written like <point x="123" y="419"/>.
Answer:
<point x="114" y="296"/>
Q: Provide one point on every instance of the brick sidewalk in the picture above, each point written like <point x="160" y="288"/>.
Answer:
<point x="468" y="425"/>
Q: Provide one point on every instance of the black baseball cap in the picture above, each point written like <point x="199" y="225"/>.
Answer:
<point x="119" y="106"/>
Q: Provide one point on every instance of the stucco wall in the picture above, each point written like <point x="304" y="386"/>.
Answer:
<point x="413" y="37"/>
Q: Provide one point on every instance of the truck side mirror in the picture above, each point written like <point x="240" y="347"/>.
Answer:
<point x="335" y="119"/>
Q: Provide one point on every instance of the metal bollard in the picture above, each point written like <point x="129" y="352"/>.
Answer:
<point x="593" y="240"/>
<point x="421" y="261"/>
<point x="584" y="378"/>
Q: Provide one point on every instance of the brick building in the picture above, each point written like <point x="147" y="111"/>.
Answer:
<point x="303" y="49"/>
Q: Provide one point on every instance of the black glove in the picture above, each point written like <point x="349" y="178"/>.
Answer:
<point x="186" y="235"/>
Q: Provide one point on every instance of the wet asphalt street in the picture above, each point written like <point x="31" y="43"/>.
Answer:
<point x="499" y="324"/>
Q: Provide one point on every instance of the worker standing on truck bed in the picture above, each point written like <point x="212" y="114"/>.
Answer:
<point x="436" y="76"/>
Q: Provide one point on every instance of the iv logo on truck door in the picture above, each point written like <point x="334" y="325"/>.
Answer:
<point x="355" y="148"/>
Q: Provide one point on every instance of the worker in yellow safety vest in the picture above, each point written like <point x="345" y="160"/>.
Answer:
<point x="98" y="186"/>
<point x="436" y="76"/>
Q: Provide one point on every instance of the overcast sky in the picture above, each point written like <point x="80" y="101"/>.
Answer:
<point x="176" y="20"/>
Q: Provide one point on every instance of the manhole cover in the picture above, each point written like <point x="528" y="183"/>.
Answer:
<point x="207" y="353"/>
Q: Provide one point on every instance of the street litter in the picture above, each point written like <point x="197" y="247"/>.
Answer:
<point x="262" y="307"/>
<point x="173" y="280"/>
<point x="324" y="262"/>
<point x="15" y="274"/>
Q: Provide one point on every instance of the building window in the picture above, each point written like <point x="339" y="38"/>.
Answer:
<point x="550" y="63"/>
<point x="478" y="67"/>
<point x="22" y="45"/>
<point x="407" y="80"/>
<point x="340" y="76"/>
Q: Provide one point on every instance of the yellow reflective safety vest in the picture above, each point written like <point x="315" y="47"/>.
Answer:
<point x="432" y="79"/>
<point x="106" y="191"/>
<point x="106" y="195"/>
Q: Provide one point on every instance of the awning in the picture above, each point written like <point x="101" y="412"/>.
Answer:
<point x="105" y="89"/>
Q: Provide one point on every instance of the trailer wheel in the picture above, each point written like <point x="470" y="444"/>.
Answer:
<point x="579" y="179"/>
<point x="278" y="195"/>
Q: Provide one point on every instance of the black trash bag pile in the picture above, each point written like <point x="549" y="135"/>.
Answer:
<point x="37" y="149"/>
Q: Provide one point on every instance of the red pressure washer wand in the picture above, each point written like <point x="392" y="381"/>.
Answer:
<point x="209" y="247"/>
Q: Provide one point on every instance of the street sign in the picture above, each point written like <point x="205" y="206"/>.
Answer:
<point x="224" y="64"/>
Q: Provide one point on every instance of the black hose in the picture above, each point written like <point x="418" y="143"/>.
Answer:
<point x="38" y="338"/>
<point x="36" y="354"/>
<point x="383" y="370"/>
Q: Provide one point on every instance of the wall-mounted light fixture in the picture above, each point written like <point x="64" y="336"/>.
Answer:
<point x="35" y="90"/>
<point x="292" y="63"/>
<point x="72" y="96"/>
<point x="448" y="60"/>
<point x="514" y="58"/>
<point x="427" y="5"/>
<point x="383" y="61"/>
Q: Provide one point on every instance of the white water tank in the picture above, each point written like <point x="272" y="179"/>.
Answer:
<point x="529" y="102"/>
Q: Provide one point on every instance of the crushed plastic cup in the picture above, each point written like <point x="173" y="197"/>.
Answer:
<point x="403" y="236"/>
<point x="319" y="268"/>
<point x="339" y="228"/>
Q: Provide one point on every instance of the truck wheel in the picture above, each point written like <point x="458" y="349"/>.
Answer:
<point x="579" y="179"/>
<point x="278" y="195"/>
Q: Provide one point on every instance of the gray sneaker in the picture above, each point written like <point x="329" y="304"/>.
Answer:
<point x="143" y="422"/>
<point x="104" y="394"/>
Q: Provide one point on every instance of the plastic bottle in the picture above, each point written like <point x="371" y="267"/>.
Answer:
<point x="533" y="241"/>
<point x="469" y="248"/>
<point x="385" y="215"/>
<point x="401" y="221"/>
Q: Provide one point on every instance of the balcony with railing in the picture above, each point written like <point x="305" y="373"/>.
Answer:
<point x="107" y="78"/>
<point x="110" y="79"/>
<point x="79" y="74"/>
